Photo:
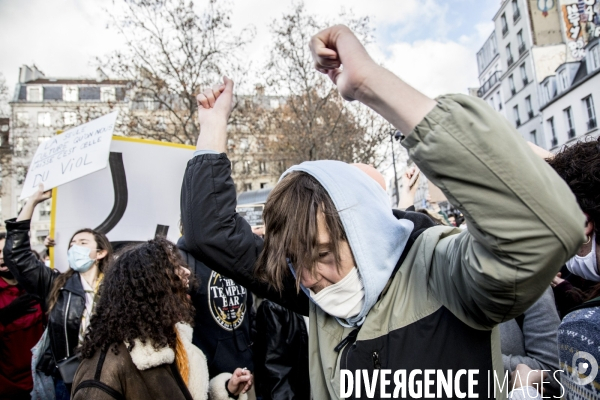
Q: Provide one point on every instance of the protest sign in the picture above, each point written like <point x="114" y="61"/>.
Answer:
<point x="133" y="200"/>
<point x="75" y="153"/>
<point x="252" y="213"/>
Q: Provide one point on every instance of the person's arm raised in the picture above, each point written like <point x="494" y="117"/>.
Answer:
<point x="214" y="107"/>
<point x="363" y="80"/>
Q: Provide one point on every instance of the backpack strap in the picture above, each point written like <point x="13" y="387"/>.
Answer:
<point x="95" y="383"/>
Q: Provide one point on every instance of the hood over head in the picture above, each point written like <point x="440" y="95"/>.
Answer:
<point x="376" y="237"/>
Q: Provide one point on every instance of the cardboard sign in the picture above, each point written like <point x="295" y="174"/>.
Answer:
<point x="252" y="213"/>
<point x="133" y="200"/>
<point x="75" y="153"/>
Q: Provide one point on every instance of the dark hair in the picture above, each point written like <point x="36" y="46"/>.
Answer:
<point x="579" y="166"/>
<point x="291" y="231"/>
<point x="2" y="235"/>
<point x="142" y="297"/>
<point x="102" y="243"/>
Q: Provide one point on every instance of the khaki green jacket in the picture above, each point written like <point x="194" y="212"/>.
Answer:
<point x="441" y="309"/>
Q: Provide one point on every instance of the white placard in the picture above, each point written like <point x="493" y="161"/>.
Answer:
<point x="151" y="173"/>
<point x="71" y="155"/>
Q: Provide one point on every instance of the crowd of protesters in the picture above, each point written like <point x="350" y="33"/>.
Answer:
<point x="339" y="280"/>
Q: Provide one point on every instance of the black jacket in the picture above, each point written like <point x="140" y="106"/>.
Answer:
<point x="218" y="236"/>
<point x="222" y="321"/>
<point x="281" y="354"/>
<point x="65" y="318"/>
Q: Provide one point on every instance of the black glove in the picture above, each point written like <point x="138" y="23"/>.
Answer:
<point x="24" y="304"/>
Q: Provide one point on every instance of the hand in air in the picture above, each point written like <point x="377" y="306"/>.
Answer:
<point x="215" y="104"/>
<point x="40" y="195"/>
<point x="339" y="54"/>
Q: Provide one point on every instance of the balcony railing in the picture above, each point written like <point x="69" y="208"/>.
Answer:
<point x="592" y="124"/>
<point x="517" y="15"/>
<point x="513" y="91"/>
<point x="504" y="30"/>
<point x="554" y="142"/>
<point x="487" y="86"/>
<point x="518" y="123"/>
<point x="522" y="49"/>
<point x="525" y="81"/>
<point x="571" y="133"/>
<point x="510" y="61"/>
<point x="530" y="114"/>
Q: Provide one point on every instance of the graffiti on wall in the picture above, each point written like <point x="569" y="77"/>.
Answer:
<point x="582" y="22"/>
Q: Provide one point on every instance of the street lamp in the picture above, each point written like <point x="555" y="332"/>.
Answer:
<point x="395" y="134"/>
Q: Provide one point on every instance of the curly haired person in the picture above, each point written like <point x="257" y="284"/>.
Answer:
<point x="139" y="343"/>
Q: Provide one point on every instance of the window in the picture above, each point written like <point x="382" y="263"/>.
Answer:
<point x="44" y="119"/>
<point x="262" y="167"/>
<point x="70" y="93"/>
<point x="529" y="107"/>
<point x="247" y="167"/>
<point x="509" y="56"/>
<point x="19" y="146"/>
<point x="569" y="122"/>
<point x="244" y="143"/>
<point x="533" y="137"/>
<point x="107" y="94"/>
<point x="524" y="74"/>
<point x="516" y="115"/>
<point x="521" y="42"/>
<point x="499" y="101"/>
<point x="23" y="118"/>
<point x="247" y="187"/>
<point x="511" y="84"/>
<point x="21" y="172"/>
<point x="44" y="207"/>
<point x="563" y="79"/>
<point x="504" y="25"/>
<point x="34" y="93"/>
<point x="552" y="131"/>
<point x="516" y="11"/>
<point x="263" y="185"/>
<point x="70" y="118"/>
<point x="491" y="102"/>
<point x="547" y="92"/>
<point x="588" y="105"/>
<point x="42" y="139"/>
<point x="594" y="54"/>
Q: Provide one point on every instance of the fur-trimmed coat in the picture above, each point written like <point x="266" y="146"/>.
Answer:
<point x="146" y="373"/>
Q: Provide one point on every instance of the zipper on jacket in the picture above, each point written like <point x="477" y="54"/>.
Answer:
<point x="351" y="338"/>
<point x="66" y="314"/>
<point x="376" y="362"/>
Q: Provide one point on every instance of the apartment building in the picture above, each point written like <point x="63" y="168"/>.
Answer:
<point x="570" y="100"/>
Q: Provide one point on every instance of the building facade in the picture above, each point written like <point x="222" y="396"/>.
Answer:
<point x="570" y="100"/>
<point x="41" y="108"/>
<point x="490" y="73"/>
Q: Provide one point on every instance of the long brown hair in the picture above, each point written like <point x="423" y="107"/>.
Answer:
<point x="102" y="243"/>
<point x="290" y="216"/>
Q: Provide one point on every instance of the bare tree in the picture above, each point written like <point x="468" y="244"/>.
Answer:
<point x="171" y="52"/>
<point x="314" y="122"/>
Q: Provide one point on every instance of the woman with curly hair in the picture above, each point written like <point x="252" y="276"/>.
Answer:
<point x="139" y="343"/>
<point x="68" y="298"/>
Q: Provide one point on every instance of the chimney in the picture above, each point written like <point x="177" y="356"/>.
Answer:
<point x="260" y="89"/>
<point x="25" y="74"/>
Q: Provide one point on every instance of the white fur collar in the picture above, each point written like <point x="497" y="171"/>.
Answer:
<point x="144" y="357"/>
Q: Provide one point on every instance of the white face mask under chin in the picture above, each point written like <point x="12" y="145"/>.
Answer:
<point x="344" y="299"/>
<point x="586" y="266"/>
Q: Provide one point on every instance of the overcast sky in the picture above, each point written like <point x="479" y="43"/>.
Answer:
<point x="429" y="43"/>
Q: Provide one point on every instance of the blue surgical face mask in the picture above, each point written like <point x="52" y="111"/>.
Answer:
<point x="79" y="258"/>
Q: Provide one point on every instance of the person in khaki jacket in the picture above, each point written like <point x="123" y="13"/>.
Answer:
<point x="396" y="308"/>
